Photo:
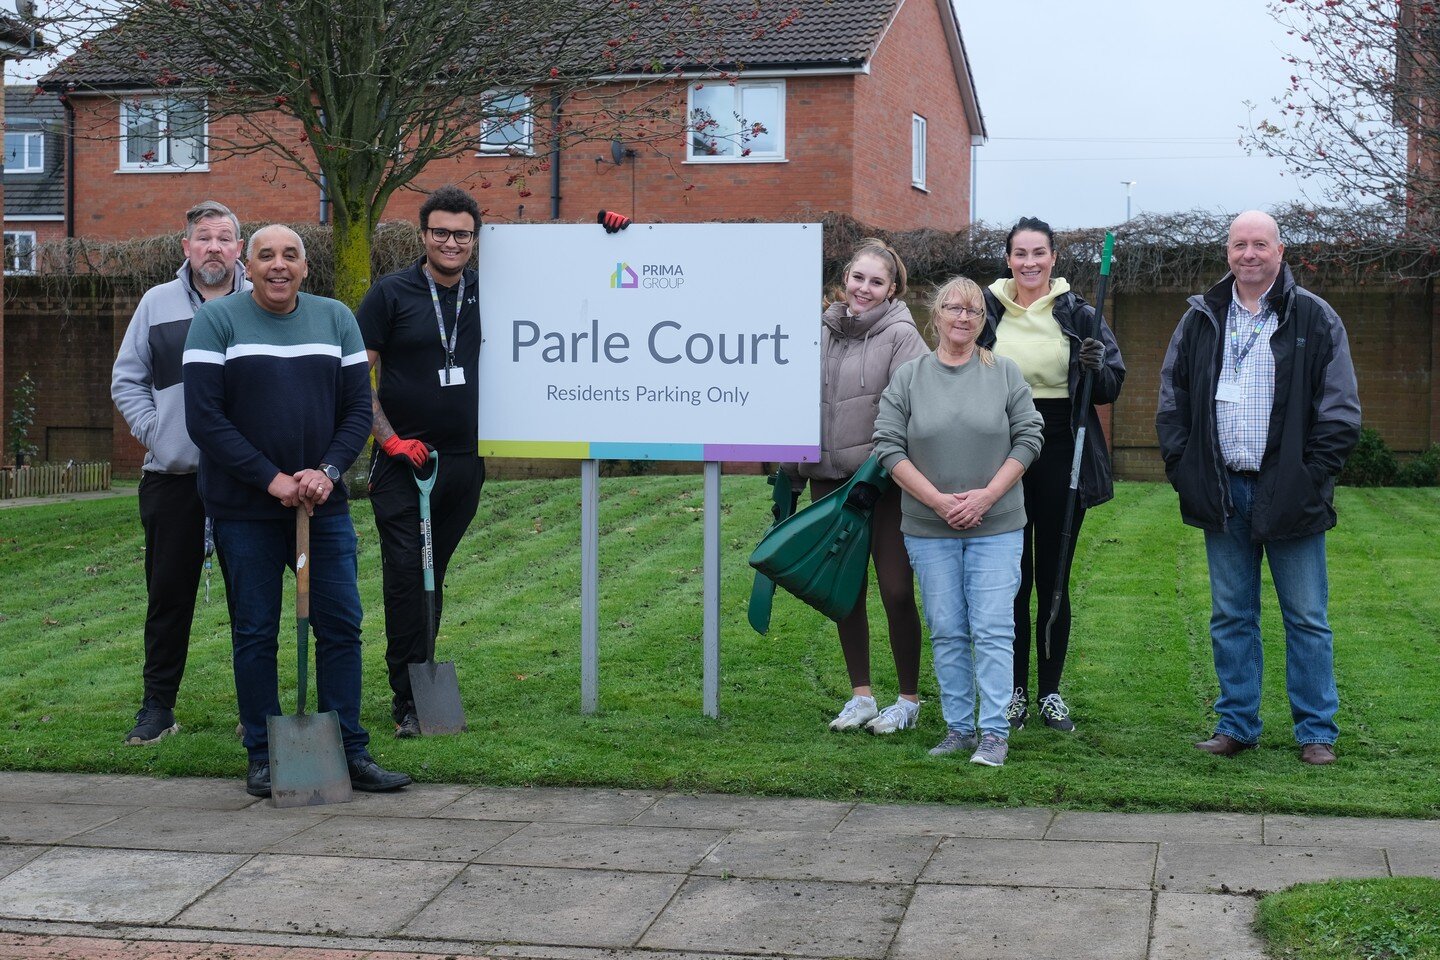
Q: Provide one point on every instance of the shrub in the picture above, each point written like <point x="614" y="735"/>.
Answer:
<point x="1422" y="471"/>
<point x="1372" y="464"/>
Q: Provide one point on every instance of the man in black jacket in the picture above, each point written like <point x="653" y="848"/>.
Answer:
<point x="1258" y="411"/>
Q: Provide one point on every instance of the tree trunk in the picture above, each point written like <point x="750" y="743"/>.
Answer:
<point x="352" y="261"/>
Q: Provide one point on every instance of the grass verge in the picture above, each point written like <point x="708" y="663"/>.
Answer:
<point x="1383" y="919"/>
<point x="1139" y="679"/>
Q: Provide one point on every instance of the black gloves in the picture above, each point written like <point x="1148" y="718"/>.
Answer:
<point x="1092" y="354"/>
<point x="612" y="222"/>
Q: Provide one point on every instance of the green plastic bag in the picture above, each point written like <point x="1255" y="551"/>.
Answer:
<point x="822" y="553"/>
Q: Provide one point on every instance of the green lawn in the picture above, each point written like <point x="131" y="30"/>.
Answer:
<point x="1139" y="680"/>
<point x="1387" y="918"/>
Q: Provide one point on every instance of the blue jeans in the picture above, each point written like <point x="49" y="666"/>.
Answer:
<point x="968" y="588"/>
<point x="1302" y="586"/>
<point x="256" y="554"/>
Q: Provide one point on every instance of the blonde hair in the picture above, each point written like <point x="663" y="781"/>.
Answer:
<point x="968" y="292"/>
<point x="882" y="251"/>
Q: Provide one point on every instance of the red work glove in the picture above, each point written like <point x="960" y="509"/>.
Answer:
<point x="416" y="451"/>
<point x="612" y="222"/>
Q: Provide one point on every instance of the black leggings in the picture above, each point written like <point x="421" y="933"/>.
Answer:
<point x="1047" y="484"/>
<point x="897" y="593"/>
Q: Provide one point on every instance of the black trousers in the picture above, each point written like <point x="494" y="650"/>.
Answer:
<point x="396" y="502"/>
<point x="174" y="521"/>
<point x="1047" y="485"/>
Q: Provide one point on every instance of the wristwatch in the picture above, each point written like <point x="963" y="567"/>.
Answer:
<point x="330" y="472"/>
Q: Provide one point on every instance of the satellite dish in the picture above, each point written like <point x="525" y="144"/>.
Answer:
<point x="25" y="8"/>
<point x="618" y="152"/>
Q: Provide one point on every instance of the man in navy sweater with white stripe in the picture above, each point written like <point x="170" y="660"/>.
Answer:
<point x="277" y="398"/>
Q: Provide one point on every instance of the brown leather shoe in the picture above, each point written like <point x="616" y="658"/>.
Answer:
<point x="1317" y="754"/>
<point x="1223" y="745"/>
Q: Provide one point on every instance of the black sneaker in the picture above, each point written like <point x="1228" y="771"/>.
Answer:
<point x="152" y="724"/>
<point x="257" y="779"/>
<point x="368" y="776"/>
<point x="1055" y="713"/>
<point x="1018" y="710"/>
<point x="408" y="724"/>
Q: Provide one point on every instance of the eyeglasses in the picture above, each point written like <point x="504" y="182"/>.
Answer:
<point x="958" y="310"/>
<point x="441" y="235"/>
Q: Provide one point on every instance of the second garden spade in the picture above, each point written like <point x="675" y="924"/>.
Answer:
<point x="434" y="686"/>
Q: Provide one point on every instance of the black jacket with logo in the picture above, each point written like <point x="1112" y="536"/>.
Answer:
<point x="1314" y="421"/>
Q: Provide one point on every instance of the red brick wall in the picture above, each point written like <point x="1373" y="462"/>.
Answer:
<point x="911" y="73"/>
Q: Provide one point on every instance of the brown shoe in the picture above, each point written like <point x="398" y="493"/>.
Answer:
<point x="1317" y="754"/>
<point x="1223" y="745"/>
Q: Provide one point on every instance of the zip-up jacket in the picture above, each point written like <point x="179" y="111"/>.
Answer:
<point x="1314" y="421"/>
<point x="858" y="355"/>
<point x="146" y="383"/>
<point x="1076" y="319"/>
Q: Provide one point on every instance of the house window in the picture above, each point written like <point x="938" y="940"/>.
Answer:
<point x="20" y="251"/>
<point x="739" y="121"/>
<point x="917" y="151"/>
<point x="164" y="132"/>
<point x="24" y="152"/>
<point x="509" y="123"/>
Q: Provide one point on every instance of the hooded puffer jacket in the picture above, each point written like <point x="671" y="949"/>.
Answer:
<point x="858" y="354"/>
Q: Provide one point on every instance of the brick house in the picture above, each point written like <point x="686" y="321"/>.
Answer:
<point x="34" y="174"/>
<point x="869" y="108"/>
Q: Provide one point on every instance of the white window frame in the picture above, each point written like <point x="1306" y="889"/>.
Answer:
<point x="162" y="161"/>
<point x="777" y="129"/>
<point x="525" y="146"/>
<point x="13" y="261"/>
<point x="918" y="150"/>
<point x="29" y="137"/>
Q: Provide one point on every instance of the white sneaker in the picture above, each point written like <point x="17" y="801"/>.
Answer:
<point x="900" y="715"/>
<point x="857" y="712"/>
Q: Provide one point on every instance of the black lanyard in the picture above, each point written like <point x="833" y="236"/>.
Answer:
<point x="1240" y="352"/>
<point x="447" y="344"/>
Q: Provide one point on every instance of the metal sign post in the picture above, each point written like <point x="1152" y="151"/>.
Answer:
<point x="589" y="586"/>
<point x="711" y="671"/>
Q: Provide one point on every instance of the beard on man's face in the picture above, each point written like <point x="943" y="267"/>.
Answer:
<point x="212" y="274"/>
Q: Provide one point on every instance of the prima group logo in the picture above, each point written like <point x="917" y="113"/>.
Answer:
<point x="624" y="278"/>
<point x="651" y="276"/>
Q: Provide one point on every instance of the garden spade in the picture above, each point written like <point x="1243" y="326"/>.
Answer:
<point x="307" y="756"/>
<point x="434" y="686"/>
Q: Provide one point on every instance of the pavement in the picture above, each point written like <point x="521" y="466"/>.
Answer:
<point x="134" y="868"/>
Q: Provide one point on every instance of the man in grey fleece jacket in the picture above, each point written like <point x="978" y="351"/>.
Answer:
<point x="147" y="388"/>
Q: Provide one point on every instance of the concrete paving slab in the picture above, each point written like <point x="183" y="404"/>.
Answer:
<point x="938" y="819"/>
<point x="556" y="804"/>
<point x="417" y="800"/>
<point x="53" y="822"/>
<point x="326" y="895"/>
<point x="210" y="793"/>
<point x="111" y="886"/>
<point x="525" y="952"/>
<point x="1005" y="923"/>
<point x="1158" y="827"/>
<point x="789" y="917"/>
<point x="1350" y="831"/>
<point x="25" y="786"/>
<point x="1418" y="860"/>
<point x="203" y="831"/>
<point x="1204" y="927"/>
<point x="13" y="857"/>
<point x="723" y="811"/>
<point x="398" y="838"/>
<point x="1243" y="867"/>
<point x="1043" y="863"/>
<point x="595" y="908"/>
<point x="604" y="847"/>
<point x="856" y="857"/>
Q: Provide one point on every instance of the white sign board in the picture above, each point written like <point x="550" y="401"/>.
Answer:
<point x="663" y="341"/>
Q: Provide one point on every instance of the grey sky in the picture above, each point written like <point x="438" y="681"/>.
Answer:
<point x="1079" y="96"/>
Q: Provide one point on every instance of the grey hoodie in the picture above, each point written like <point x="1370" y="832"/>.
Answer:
<point x="146" y="384"/>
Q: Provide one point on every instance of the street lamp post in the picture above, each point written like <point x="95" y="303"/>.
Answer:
<point x="1128" y="184"/>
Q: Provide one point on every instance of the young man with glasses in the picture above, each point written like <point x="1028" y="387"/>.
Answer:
<point x="421" y="327"/>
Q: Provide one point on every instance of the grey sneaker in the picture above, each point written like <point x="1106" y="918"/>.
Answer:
<point x="857" y="712"/>
<point x="991" y="752"/>
<point x="900" y="715"/>
<point x="1017" y="711"/>
<point x="1055" y="714"/>
<point x="954" y="742"/>
<point x="153" y="723"/>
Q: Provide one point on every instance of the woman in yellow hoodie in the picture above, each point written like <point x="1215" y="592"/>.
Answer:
<point x="1033" y="318"/>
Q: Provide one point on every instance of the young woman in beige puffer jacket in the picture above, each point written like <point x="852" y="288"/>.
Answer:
<point x="864" y="336"/>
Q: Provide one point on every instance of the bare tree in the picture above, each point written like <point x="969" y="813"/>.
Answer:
<point x="1363" y="111"/>
<point x="360" y="96"/>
